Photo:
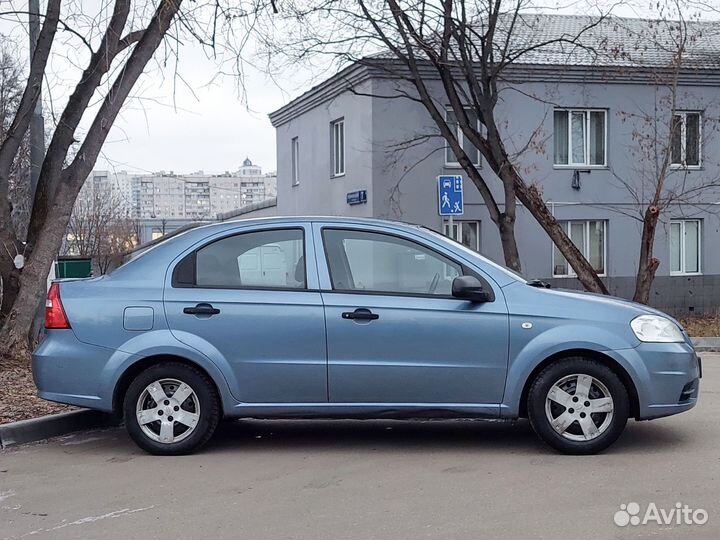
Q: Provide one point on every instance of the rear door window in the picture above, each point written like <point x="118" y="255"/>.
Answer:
<point x="264" y="259"/>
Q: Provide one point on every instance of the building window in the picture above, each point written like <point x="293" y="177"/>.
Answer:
<point x="473" y="153"/>
<point x="590" y="237"/>
<point x="465" y="232"/>
<point x="685" y="246"/>
<point x="685" y="140"/>
<point x="580" y="137"/>
<point x="295" y="161"/>
<point x="337" y="131"/>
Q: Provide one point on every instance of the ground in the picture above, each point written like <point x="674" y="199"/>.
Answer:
<point x="335" y="480"/>
<point x="18" y="397"/>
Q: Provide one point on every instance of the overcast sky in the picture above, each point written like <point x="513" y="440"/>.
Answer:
<point x="200" y="121"/>
<point x="211" y="128"/>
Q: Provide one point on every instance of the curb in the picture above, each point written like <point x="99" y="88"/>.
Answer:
<point x="44" y="427"/>
<point x="706" y="344"/>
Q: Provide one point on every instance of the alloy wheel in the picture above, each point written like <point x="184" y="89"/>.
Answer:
<point x="168" y="411"/>
<point x="579" y="407"/>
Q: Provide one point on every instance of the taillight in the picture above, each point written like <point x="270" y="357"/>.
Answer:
<point x="55" y="317"/>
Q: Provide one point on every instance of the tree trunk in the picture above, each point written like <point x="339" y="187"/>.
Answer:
<point x="14" y="341"/>
<point x="506" y="226"/>
<point x="534" y="202"/>
<point x="10" y="286"/>
<point x="647" y="265"/>
<point x="9" y="275"/>
<point x="51" y="215"/>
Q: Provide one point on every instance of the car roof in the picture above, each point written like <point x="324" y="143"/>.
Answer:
<point x="310" y="218"/>
<point x="220" y="225"/>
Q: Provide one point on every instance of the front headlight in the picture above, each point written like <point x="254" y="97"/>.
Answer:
<point x="656" y="329"/>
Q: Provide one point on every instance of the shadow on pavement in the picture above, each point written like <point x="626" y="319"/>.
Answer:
<point x="419" y="436"/>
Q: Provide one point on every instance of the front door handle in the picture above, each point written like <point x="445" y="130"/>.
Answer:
<point x="360" y="314"/>
<point x="201" y="309"/>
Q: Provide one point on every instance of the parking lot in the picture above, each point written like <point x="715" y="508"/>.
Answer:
<point x="364" y="480"/>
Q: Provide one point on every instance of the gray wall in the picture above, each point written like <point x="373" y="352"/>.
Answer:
<point x="401" y="182"/>
<point x="602" y="195"/>
<point x="318" y="192"/>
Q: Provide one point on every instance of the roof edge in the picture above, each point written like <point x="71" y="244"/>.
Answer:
<point x="329" y="88"/>
<point x="381" y="68"/>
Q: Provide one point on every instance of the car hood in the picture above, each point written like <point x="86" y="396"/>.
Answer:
<point x="633" y="309"/>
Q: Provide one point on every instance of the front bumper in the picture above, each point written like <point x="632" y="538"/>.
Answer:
<point x="666" y="377"/>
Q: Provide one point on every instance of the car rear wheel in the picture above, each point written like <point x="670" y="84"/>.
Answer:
<point x="171" y="409"/>
<point x="578" y="406"/>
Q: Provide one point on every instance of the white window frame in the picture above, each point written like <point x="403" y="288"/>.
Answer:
<point x="337" y="151"/>
<point x="586" y="164"/>
<point x="683" y="140"/>
<point x="295" y="161"/>
<point x="461" y="141"/>
<point x="565" y="223"/>
<point x="458" y="224"/>
<point x="682" y="271"/>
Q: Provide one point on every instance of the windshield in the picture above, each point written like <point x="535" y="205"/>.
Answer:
<point x="474" y="254"/>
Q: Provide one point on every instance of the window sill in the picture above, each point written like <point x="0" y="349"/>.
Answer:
<point x="565" y="276"/>
<point x="685" y="274"/>
<point x="680" y="167"/>
<point x="580" y="167"/>
<point x="458" y="166"/>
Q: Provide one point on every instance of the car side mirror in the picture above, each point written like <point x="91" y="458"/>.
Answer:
<point x="469" y="288"/>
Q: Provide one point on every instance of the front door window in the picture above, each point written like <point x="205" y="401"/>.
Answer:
<point x="382" y="263"/>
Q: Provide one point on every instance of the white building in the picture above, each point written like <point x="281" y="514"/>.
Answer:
<point x="200" y="195"/>
<point x="113" y="186"/>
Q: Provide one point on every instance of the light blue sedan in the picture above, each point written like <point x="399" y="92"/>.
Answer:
<point x="352" y="318"/>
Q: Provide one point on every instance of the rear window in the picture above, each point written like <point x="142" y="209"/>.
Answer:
<point x="263" y="259"/>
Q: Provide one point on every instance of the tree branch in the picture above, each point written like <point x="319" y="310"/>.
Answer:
<point x="64" y="134"/>
<point x="23" y="115"/>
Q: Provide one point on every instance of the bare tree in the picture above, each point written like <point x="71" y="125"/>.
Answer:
<point x="118" y="44"/>
<point x="100" y="228"/>
<point x="470" y="48"/>
<point x="667" y="137"/>
<point x="11" y="89"/>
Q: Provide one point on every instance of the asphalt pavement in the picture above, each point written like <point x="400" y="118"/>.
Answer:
<point x="335" y="480"/>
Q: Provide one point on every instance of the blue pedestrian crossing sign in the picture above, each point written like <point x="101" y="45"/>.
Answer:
<point x="450" y="195"/>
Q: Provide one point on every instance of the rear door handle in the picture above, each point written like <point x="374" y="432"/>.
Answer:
<point x="361" y="314"/>
<point x="201" y="309"/>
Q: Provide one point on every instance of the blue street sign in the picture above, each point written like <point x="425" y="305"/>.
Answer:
<point x="357" y="197"/>
<point x="450" y="195"/>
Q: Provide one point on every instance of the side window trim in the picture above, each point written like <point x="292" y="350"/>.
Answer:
<point x="466" y="270"/>
<point x="176" y="283"/>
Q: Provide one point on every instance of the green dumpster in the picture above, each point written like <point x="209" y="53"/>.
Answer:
<point x="73" y="267"/>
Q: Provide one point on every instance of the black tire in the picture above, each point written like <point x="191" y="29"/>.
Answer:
<point x="556" y="372"/>
<point x="207" y="397"/>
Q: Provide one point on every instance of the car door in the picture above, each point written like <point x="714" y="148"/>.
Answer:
<point x="249" y="299"/>
<point x="395" y="333"/>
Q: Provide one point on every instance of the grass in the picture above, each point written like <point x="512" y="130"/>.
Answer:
<point x="702" y="325"/>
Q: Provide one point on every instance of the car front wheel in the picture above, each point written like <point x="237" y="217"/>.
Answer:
<point x="578" y="406"/>
<point x="171" y="409"/>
